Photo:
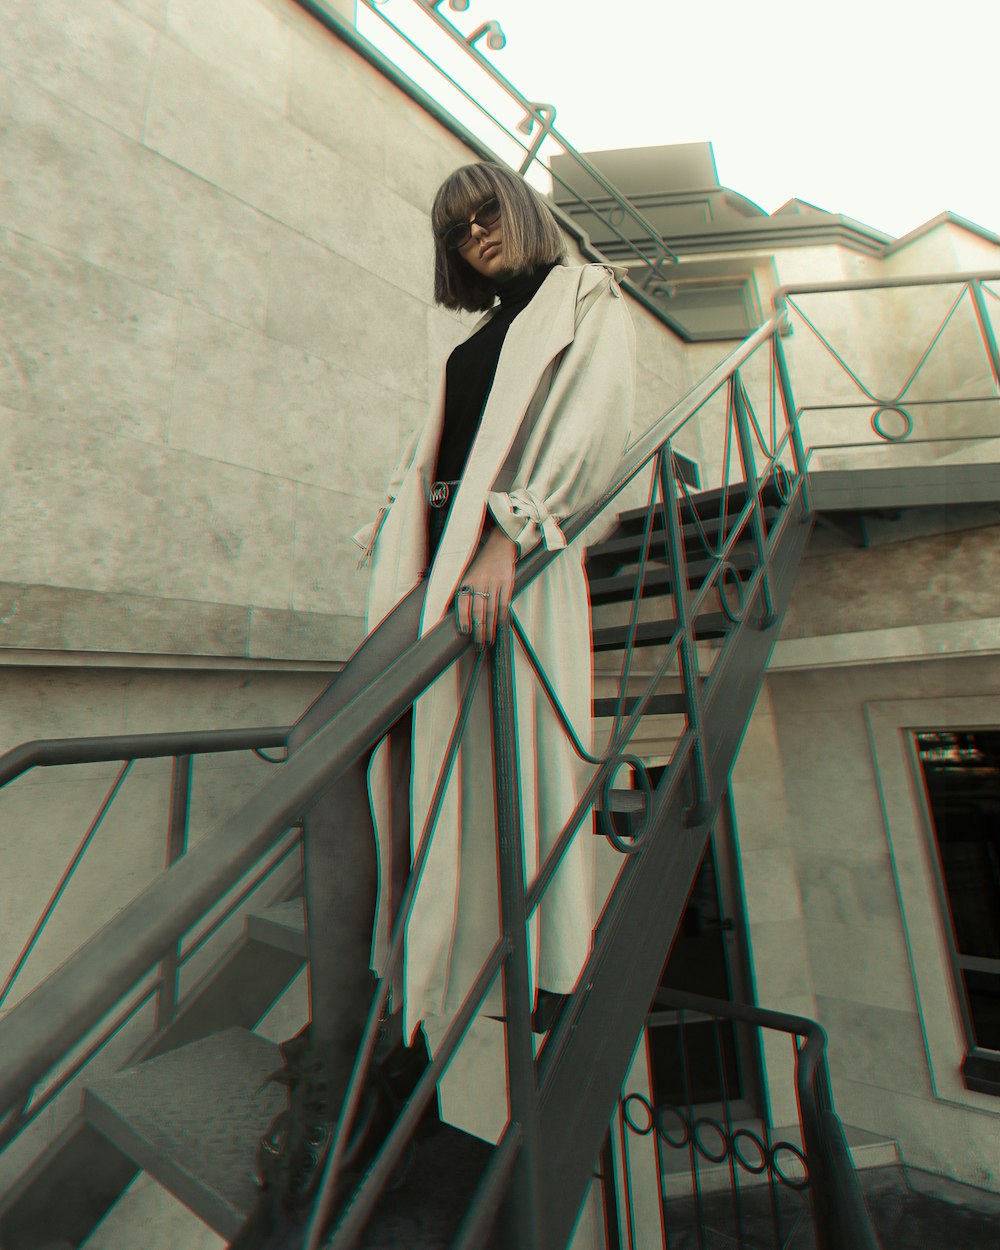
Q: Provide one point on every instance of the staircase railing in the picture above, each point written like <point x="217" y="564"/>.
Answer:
<point x="48" y="1023"/>
<point x="766" y="457"/>
<point x="181" y="749"/>
<point x="751" y="1183"/>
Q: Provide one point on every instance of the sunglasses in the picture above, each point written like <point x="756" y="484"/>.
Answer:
<point x="487" y="215"/>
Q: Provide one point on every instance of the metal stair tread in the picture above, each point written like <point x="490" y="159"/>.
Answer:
<point x="621" y="544"/>
<point x="659" y="633"/>
<point x="192" y="1118"/>
<point x="620" y="586"/>
<point x="658" y="705"/>
<point x="282" y="925"/>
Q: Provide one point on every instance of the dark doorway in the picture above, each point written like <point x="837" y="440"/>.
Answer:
<point x="697" y="1060"/>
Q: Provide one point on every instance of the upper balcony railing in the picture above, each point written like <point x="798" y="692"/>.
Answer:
<point x="496" y="119"/>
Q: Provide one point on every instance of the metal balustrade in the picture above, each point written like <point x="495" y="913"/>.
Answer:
<point x="729" y="552"/>
<point x="753" y="1185"/>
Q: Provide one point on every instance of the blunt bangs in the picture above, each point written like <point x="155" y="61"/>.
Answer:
<point x="531" y="235"/>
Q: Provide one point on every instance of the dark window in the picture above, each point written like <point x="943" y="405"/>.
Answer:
<point x="961" y="773"/>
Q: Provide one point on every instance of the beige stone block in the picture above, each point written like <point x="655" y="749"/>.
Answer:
<point x="861" y="963"/>
<point x="781" y="959"/>
<point x="40" y="703"/>
<point x="209" y="127"/>
<point x="325" y="576"/>
<point x="841" y="889"/>
<point x="356" y="216"/>
<point x="304" y="635"/>
<point x="820" y="752"/>
<point x="770" y="885"/>
<point x="247" y="399"/>
<point x="114" y="514"/>
<point x="419" y="154"/>
<point x="333" y="96"/>
<point x="330" y="307"/>
<point x="151" y="11"/>
<point x="64" y="618"/>
<point x="875" y="1045"/>
<point x="172" y="701"/>
<point x="147" y="1215"/>
<point x="81" y="341"/>
<point x="96" y="56"/>
<point x="84" y="189"/>
<point x="245" y="40"/>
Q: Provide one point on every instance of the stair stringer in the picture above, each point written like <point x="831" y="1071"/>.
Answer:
<point x="592" y="1046"/>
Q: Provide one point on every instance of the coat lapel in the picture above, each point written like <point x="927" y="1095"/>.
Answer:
<point x="533" y="341"/>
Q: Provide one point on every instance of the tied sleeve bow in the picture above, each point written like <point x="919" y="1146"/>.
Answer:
<point x="524" y="518"/>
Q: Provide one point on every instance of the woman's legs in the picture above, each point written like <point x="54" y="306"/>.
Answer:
<point x="341" y="860"/>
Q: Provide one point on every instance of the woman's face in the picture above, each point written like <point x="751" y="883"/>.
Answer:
<point x="483" y="250"/>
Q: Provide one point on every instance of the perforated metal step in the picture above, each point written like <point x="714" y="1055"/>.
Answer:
<point x="192" y="1119"/>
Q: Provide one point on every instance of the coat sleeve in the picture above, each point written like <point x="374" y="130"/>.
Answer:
<point x="365" y="537"/>
<point x="581" y="430"/>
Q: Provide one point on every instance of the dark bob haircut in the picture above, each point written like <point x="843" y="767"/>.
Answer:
<point x="530" y="234"/>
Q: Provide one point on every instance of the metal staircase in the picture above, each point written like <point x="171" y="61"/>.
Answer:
<point x="694" y="582"/>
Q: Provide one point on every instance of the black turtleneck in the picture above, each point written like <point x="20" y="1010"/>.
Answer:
<point x="468" y="378"/>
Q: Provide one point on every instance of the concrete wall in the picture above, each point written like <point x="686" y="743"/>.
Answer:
<point x="843" y="912"/>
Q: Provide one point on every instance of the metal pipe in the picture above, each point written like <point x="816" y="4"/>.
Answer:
<point x="177" y="836"/>
<point x="523" y="1208"/>
<point x="52" y="752"/>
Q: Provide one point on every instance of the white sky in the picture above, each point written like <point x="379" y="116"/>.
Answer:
<point x="884" y="110"/>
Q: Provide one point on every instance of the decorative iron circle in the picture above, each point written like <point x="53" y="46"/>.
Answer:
<point x="782" y="482"/>
<point x="616" y="215"/>
<point x="684" y="1123"/>
<point x="900" y="412"/>
<point x="754" y="1168"/>
<point x="735" y="615"/>
<point x="641" y="773"/>
<point x="700" y="1146"/>
<point x="803" y="1181"/>
<point x="644" y="1102"/>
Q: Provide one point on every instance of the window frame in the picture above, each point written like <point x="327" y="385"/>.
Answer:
<point x="959" y="1071"/>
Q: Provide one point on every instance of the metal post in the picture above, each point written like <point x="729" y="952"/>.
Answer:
<point x="521" y="1223"/>
<point x="985" y="328"/>
<point x="177" y="835"/>
<point x="748" y="462"/>
<point x="791" y="419"/>
<point x="545" y="116"/>
<point x="686" y="647"/>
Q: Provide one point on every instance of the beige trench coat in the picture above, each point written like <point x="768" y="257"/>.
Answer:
<point x="554" y="428"/>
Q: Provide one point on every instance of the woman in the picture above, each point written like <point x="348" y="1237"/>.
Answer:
<point x="533" y="417"/>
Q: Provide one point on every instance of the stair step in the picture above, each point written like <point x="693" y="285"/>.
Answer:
<point x="658" y="581"/>
<point x="658" y="705"/>
<point x="192" y="1119"/>
<point x="626" y="543"/>
<point x="659" y="633"/>
<point x="282" y="925"/>
<point x="707" y="506"/>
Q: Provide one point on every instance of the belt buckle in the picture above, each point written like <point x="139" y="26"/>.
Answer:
<point x="439" y="494"/>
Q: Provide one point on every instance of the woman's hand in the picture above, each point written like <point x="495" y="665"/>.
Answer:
<point x="490" y="573"/>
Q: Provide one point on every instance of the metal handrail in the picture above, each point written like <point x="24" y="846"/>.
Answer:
<point x="89" y="984"/>
<point x="842" y="1217"/>
<point x="54" y="752"/>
